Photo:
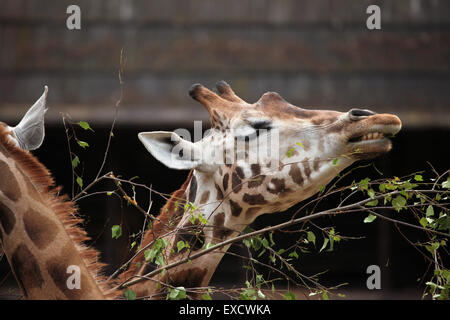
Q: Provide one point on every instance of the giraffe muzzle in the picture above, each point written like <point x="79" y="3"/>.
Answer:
<point x="372" y="133"/>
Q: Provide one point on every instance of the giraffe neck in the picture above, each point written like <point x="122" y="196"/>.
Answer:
<point x="225" y="219"/>
<point x="39" y="235"/>
<point x="199" y="199"/>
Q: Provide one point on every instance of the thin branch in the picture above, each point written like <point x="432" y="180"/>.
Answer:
<point x="116" y="113"/>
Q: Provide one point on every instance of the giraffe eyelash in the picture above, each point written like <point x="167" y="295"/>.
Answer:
<point x="259" y="125"/>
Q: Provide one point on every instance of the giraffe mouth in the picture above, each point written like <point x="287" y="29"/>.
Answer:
<point x="368" y="137"/>
<point x="373" y="142"/>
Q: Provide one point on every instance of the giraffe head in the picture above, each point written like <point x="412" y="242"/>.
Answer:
<point x="30" y="132"/>
<point x="269" y="155"/>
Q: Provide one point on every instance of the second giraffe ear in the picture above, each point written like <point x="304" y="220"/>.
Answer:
<point x="30" y="131"/>
<point x="173" y="151"/>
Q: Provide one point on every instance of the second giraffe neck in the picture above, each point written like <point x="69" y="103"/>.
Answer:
<point x="203" y="223"/>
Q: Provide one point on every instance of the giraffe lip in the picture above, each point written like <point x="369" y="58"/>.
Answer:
<point x="374" y="141"/>
<point x="376" y="133"/>
<point x="369" y="137"/>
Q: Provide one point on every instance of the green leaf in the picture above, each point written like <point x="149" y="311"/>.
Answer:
<point x="108" y="193"/>
<point x="370" y="218"/>
<point x="207" y="245"/>
<point x="300" y="144"/>
<point x="418" y="177"/>
<point x="272" y="243"/>
<point x="259" y="280"/>
<point x="261" y="295"/>
<point x="272" y="259"/>
<point x="82" y="144"/>
<point x="116" y="231"/>
<point x="247" y="243"/>
<point x="147" y="254"/>
<point x="430" y="211"/>
<point x="289" y="296"/>
<point x="446" y="184"/>
<point x="85" y="125"/>
<point x="75" y="162"/>
<point x="130" y="294"/>
<point x="325" y="295"/>
<point x="372" y="203"/>
<point x="80" y="182"/>
<point x="408" y="185"/>
<point x="293" y="254"/>
<point x="265" y="243"/>
<point x="399" y="202"/>
<point x="311" y="237"/>
<point x="443" y="222"/>
<point x="181" y="245"/>
<point x="179" y="293"/>
<point x="390" y="186"/>
<point x="325" y="242"/>
<point x="423" y="221"/>
<point x="433" y="247"/>
<point x="290" y="152"/>
<point x="364" y="184"/>
<point x="202" y="219"/>
<point x="247" y="230"/>
<point x="335" y="161"/>
<point x="206" y="296"/>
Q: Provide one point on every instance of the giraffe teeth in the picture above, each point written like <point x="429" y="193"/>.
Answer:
<point x="372" y="136"/>
<point x="368" y="136"/>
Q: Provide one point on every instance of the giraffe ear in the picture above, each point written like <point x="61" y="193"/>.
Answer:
<point x="30" y="131"/>
<point x="170" y="149"/>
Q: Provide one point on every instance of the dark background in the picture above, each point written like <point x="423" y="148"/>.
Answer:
<point x="314" y="53"/>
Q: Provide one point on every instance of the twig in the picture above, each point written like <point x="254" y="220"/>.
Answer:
<point x="116" y="113"/>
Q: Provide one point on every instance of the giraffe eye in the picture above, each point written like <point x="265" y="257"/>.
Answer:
<point x="259" y="125"/>
<point x="253" y="129"/>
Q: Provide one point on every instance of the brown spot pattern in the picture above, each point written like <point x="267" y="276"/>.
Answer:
<point x="279" y="186"/>
<point x="256" y="169"/>
<point x="193" y="189"/>
<point x="307" y="167"/>
<point x="296" y="174"/>
<point x="254" y="199"/>
<point x="7" y="219"/>
<point x="256" y="179"/>
<point x="240" y="172"/>
<point x="225" y="181"/>
<point x="205" y="197"/>
<point x="219" y="193"/>
<point x="57" y="268"/>
<point x="41" y="230"/>
<point x="221" y="232"/>
<point x="316" y="164"/>
<point x="236" y="209"/>
<point x="256" y="182"/>
<point x="26" y="269"/>
<point x="189" y="278"/>
<point x="8" y="183"/>
<point x="236" y="184"/>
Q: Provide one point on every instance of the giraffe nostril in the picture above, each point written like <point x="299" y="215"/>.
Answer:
<point x="358" y="114"/>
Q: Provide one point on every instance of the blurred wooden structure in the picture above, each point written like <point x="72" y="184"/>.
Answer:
<point x="314" y="53"/>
